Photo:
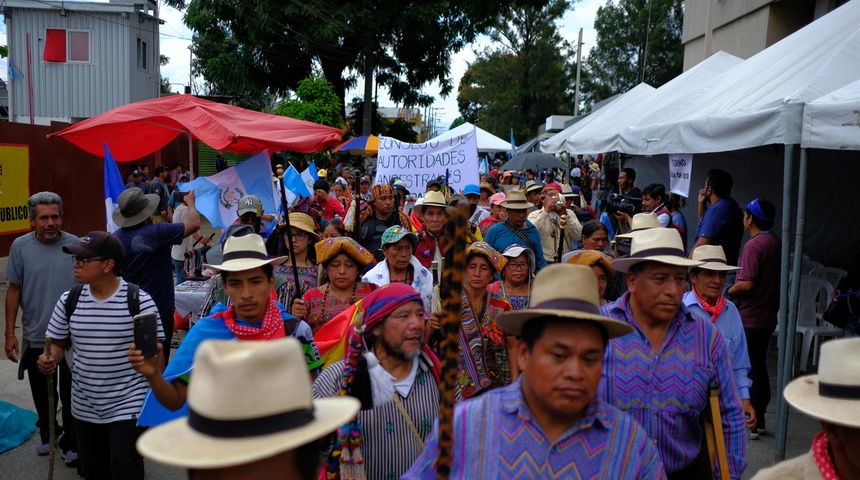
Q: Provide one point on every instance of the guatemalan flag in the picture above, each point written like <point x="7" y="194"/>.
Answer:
<point x="113" y="187"/>
<point x="218" y="195"/>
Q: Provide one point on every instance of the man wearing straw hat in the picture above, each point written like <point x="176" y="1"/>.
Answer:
<point x="431" y="239"/>
<point x="550" y="423"/>
<point x="707" y="301"/>
<point x="251" y="416"/>
<point x="547" y="221"/>
<point x="833" y="397"/>
<point x="661" y="373"/>
<point x="516" y="229"/>
<point x="248" y="279"/>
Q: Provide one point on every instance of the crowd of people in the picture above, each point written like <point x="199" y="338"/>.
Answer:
<point x="582" y="354"/>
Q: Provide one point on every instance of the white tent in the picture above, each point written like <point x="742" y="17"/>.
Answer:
<point x="487" y="142"/>
<point x="833" y="121"/>
<point x="760" y="101"/>
<point x="601" y="135"/>
<point x="559" y="142"/>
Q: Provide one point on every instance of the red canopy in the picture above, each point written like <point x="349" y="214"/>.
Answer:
<point x="138" y="129"/>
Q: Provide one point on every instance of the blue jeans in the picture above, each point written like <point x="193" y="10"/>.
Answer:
<point x="179" y="270"/>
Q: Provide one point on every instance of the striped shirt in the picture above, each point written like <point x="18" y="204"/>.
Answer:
<point x="668" y="392"/>
<point x="105" y="388"/>
<point x="496" y="436"/>
<point x="389" y="445"/>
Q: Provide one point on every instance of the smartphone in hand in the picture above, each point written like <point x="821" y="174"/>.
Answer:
<point x="146" y="334"/>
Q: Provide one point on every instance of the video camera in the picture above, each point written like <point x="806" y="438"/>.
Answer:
<point x="617" y="202"/>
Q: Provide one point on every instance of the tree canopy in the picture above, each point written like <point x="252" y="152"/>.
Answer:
<point x="314" y="101"/>
<point x="637" y="40"/>
<point x="254" y="48"/>
<point x="527" y="77"/>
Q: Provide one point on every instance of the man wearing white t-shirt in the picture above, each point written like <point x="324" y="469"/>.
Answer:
<point x="107" y="394"/>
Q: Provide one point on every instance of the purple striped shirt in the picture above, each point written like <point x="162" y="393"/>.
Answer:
<point x="668" y="392"/>
<point x="496" y="436"/>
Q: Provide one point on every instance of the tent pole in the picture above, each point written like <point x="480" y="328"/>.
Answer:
<point x="789" y="322"/>
<point x="191" y="155"/>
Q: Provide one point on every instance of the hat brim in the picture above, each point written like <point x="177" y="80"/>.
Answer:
<point x="242" y="264"/>
<point x="177" y="444"/>
<point x="719" y="267"/>
<point x="79" y="251"/>
<point x="514" y="322"/>
<point x="802" y="394"/>
<point x="152" y="201"/>
<point x="624" y="264"/>
<point x="432" y="204"/>
<point x="413" y="239"/>
<point x="518" y="205"/>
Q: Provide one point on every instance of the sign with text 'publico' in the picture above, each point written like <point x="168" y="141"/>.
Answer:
<point x="418" y="163"/>
<point x="14" y="188"/>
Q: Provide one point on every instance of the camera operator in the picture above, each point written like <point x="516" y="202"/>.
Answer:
<point x="553" y="219"/>
<point x="618" y="204"/>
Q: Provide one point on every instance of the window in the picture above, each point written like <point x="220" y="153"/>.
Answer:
<point x="141" y="54"/>
<point x="67" y="46"/>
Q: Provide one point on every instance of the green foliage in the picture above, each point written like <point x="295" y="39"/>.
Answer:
<point x="457" y="122"/>
<point x="621" y="60"/>
<point x="314" y="101"/>
<point x="402" y="130"/>
<point x="254" y="49"/>
<point x="4" y="51"/>
<point x="529" y="77"/>
<point x="378" y="124"/>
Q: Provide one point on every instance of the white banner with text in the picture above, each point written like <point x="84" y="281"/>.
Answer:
<point x="680" y="168"/>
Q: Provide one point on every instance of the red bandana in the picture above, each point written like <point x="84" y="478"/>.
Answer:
<point x="714" y="310"/>
<point x="272" y="326"/>
<point x="820" y="450"/>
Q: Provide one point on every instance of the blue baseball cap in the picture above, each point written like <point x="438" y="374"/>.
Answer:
<point x="471" y="189"/>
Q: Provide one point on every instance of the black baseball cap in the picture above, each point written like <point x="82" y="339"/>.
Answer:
<point x="98" y="244"/>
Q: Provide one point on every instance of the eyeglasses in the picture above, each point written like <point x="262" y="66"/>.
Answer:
<point x="518" y="266"/>
<point x="300" y="235"/>
<point x="84" y="261"/>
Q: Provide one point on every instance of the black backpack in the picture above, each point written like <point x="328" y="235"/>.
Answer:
<point x="133" y="298"/>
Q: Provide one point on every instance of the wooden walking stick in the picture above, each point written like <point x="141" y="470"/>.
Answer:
<point x="451" y="294"/>
<point x="52" y="413"/>
<point x="356" y="229"/>
<point x="714" y="433"/>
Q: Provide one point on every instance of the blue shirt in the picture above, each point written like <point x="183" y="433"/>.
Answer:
<point x="500" y="237"/>
<point x="496" y="436"/>
<point x="723" y="224"/>
<point x="732" y="329"/>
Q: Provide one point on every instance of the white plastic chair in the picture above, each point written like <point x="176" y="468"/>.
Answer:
<point x="815" y="295"/>
<point x="831" y="274"/>
<point x="807" y="266"/>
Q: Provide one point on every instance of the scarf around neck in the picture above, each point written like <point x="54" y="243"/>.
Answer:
<point x="714" y="310"/>
<point x="821" y="452"/>
<point x="272" y="326"/>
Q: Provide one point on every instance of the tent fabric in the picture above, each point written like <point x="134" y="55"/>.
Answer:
<point x="559" y="142"/>
<point x="602" y="134"/>
<point x="760" y="101"/>
<point x="832" y="121"/>
<point x="138" y="129"/>
<point x="487" y="142"/>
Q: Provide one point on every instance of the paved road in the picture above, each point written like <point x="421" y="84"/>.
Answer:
<point x="22" y="463"/>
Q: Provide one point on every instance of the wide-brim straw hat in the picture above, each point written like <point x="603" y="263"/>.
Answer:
<point x="713" y="258"/>
<point x="134" y="206"/>
<point x="516" y="200"/>
<point x="245" y="253"/>
<point x="639" y="222"/>
<point x="563" y="291"/>
<point x="434" y="199"/>
<point x="833" y="395"/>
<point x="247" y="401"/>
<point x="662" y="245"/>
<point x="303" y="222"/>
<point x="531" y="186"/>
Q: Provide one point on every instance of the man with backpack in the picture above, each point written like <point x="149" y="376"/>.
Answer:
<point x="96" y="316"/>
<point x="254" y="314"/>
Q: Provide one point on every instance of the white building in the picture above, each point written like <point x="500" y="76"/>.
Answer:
<point x="74" y="60"/>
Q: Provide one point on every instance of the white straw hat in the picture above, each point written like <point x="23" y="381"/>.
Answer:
<point x="247" y="401"/>
<point x="713" y="258"/>
<point x="244" y="253"/>
<point x="833" y="395"/>
<point x="661" y="245"/>
<point x="639" y="222"/>
<point x="565" y="291"/>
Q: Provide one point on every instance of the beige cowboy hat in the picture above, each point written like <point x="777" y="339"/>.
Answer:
<point x="303" y="222"/>
<point x="662" y="245"/>
<point x="563" y="291"/>
<point x="833" y="395"/>
<point x="133" y="207"/>
<point x="244" y="253"/>
<point x="516" y="200"/>
<point x="431" y="199"/>
<point x="247" y="401"/>
<point x="713" y="258"/>
<point x="639" y="222"/>
<point x="531" y="186"/>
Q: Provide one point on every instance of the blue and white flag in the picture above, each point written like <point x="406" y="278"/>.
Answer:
<point x="218" y="195"/>
<point x="113" y="187"/>
<point x="484" y="166"/>
<point x="309" y="176"/>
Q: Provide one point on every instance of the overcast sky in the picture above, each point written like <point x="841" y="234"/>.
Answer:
<point x="176" y="37"/>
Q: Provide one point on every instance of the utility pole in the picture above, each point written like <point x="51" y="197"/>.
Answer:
<point x="367" y="125"/>
<point x="578" y="63"/>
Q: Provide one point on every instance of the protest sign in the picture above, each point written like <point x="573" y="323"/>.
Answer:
<point x="14" y="188"/>
<point x="418" y="163"/>
<point x="680" y="167"/>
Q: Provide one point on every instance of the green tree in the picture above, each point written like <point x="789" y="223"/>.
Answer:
<point x="456" y="123"/>
<point x="637" y="41"/>
<point x="314" y="101"/>
<point x="4" y="51"/>
<point x="528" y="77"/>
<point x="378" y="123"/>
<point x="401" y="130"/>
<point x="252" y="49"/>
